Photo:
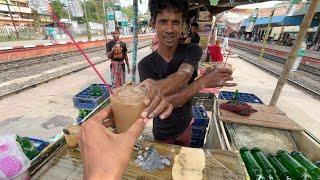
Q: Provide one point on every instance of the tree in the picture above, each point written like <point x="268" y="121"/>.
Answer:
<point x="128" y="11"/>
<point x="57" y="8"/>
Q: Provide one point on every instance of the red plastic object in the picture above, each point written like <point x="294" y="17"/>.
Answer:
<point x="215" y="53"/>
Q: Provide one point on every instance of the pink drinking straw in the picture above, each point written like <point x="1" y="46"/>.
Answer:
<point x="82" y="52"/>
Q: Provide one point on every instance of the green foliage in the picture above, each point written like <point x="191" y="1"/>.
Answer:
<point x="57" y="8"/>
<point x="128" y="11"/>
<point x="94" y="10"/>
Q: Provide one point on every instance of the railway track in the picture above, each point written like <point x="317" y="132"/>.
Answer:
<point x="11" y="65"/>
<point x="34" y="62"/>
<point x="311" y="91"/>
<point x="303" y="67"/>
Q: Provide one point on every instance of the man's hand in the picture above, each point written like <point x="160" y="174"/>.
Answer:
<point x="188" y="40"/>
<point x="217" y="77"/>
<point x="155" y="101"/>
<point x="129" y="71"/>
<point x="106" y="155"/>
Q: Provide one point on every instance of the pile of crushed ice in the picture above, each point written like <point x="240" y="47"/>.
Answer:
<point x="150" y="160"/>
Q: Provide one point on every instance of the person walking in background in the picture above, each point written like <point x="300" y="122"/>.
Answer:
<point x="51" y="34"/>
<point x="225" y="44"/>
<point x="299" y="58"/>
<point x="117" y="52"/>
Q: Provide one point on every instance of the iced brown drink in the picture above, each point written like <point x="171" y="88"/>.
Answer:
<point x="127" y="104"/>
<point x="224" y="66"/>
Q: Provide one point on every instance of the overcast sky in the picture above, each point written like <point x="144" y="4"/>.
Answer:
<point x="142" y="7"/>
<point x="268" y="4"/>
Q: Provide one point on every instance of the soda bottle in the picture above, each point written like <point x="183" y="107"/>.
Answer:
<point x="27" y="146"/>
<point x="282" y="172"/>
<point x="92" y="90"/>
<point x="254" y="170"/>
<point x="293" y="166"/>
<point x="81" y="113"/>
<point x="312" y="169"/>
<point x="268" y="170"/>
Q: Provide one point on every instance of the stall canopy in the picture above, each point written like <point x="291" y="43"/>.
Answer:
<point x="297" y="20"/>
<point x="223" y="5"/>
<point x="281" y="21"/>
<point x="274" y="20"/>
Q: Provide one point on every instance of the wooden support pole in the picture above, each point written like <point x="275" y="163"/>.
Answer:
<point x="293" y="54"/>
<point x="266" y="36"/>
<point x="135" y="40"/>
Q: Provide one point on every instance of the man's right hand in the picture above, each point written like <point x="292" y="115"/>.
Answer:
<point x="217" y="77"/>
<point x="155" y="101"/>
<point x="100" y="148"/>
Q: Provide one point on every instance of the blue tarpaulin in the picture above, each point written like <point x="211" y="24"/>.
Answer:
<point x="282" y="21"/>
<point x="274" y="20"/>
<point x="297" y="20"/>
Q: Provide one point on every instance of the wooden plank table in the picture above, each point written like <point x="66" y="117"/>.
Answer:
<point x="266" y="116"/>
<point x="219" y="164"/>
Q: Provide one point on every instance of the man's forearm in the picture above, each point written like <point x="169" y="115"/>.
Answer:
<point x="185" y="94"/>
<point x="176" y="81"/>
<point x="173" y="83"/>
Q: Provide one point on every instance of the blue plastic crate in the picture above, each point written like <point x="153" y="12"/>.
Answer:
<point x="39" y="144"/>
<point x="84" y="100"/>
<point x="200" y="116"/>
<point x="243" y="97"/>
<point x="196" y="142"/>
<point x="198" y="131"/>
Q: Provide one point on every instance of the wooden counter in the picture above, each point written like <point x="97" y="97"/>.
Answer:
<point x="219" y="164"/>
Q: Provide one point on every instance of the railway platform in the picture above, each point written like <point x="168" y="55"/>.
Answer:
<point x="298" y="105"/>
<point x="45" y="110"/>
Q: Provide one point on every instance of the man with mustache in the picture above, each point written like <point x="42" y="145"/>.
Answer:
<point x="174" y="68"/>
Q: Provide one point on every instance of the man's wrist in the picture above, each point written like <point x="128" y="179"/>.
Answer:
<point x="202" y="83"/>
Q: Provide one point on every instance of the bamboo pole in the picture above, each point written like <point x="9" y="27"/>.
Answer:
<point x="135" y="39"/>
<point x="12" y="20"/>
<point x="293" y="54"/>
<point x="104" y="20"/>
<point x="266" y="36"/>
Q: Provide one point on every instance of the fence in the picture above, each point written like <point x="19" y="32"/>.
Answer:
<point x="8" y="33"/>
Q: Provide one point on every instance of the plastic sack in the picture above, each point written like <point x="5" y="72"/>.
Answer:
<point x="13" y="163"/>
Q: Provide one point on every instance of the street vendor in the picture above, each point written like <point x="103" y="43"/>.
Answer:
<point x="117" y="51"/>
<point x="174" y="68"/>
<point x="193" y="35"/>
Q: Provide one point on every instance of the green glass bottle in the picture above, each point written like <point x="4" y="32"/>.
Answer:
<point x="293" y="166"/>
<point x="268" y="170"/>
<point x="81" y="113"/>
<point x="92" y="90"/>
<point x="98" y="91"/>
<point x="312" y="169"/>
<point x="254" y="170"/>
<point x="28" y="148"/>
<point x="235" y="96"/>
<point x="87" y="112"/>
<point x="282" y="172"/>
